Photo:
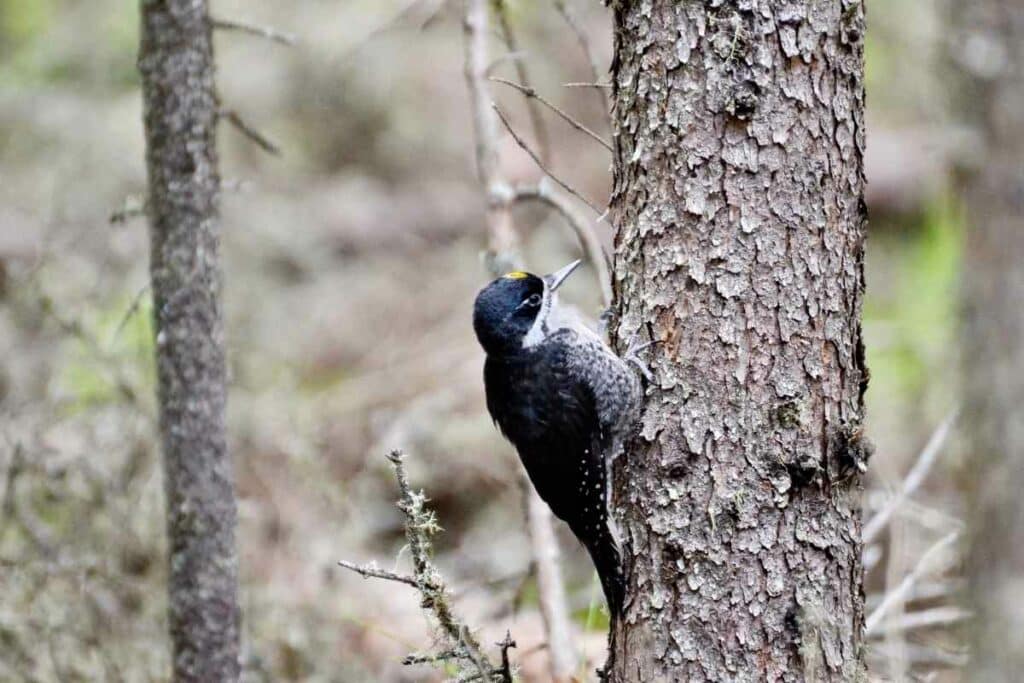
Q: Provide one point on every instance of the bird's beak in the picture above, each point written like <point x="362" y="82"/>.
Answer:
<point x="555" y="279"/>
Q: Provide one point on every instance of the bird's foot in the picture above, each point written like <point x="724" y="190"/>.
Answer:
<point x="632" y="356"/>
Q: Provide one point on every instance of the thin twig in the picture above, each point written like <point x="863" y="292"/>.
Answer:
<point x="913" y="479"/>
<point x="933" y="590"/>
<point x="584" y="41"/>
<point x="133" y="207"/>
<point x="420" y="525"/>
<point x="536" y="121"/>
<point x="132" y="308"/>
<point x="428" y="658"/>
<point x="534" y="95"/>
<point x="929" y="618"/>
<point x="262" y="141"/>
<point x="533" y="155"/>
<point x="920" y="655"/>
<point x="586" y="85"/>
<point x="368" y="571"/>
<point x="254" y="30"/>
<point x="506" y="668"/>
<point x="583" y="229"/>
<point x="899" y="594"/>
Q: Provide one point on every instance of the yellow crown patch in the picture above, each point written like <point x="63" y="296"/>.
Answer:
<point x="516" y="275"/>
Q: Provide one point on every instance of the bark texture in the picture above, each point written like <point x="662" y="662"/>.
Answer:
<point x="990" y="49"/>
<point x="738" y="200"/>
<point x="176" y="63"/>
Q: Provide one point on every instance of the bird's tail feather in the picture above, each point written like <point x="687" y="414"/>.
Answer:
<point x="608" y="563"/>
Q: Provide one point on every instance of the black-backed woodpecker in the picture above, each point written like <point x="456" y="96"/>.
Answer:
<point x="564" y="400"/>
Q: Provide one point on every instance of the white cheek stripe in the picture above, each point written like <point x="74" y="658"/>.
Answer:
<point x="538" y="331"/>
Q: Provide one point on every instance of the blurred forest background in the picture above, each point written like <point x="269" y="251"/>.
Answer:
<point x="352" y="260"/>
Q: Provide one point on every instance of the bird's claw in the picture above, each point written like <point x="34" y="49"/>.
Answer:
<point x="632" y="356"/>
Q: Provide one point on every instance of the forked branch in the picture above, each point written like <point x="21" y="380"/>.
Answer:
<point x="460" y="646"/>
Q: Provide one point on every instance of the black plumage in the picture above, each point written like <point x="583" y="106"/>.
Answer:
<point x="564" y="400"/>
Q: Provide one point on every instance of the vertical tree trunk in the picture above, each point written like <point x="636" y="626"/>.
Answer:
<point x="991" y="51"/>
<point x="176" y="62"/>
<point x="738" y="199"/>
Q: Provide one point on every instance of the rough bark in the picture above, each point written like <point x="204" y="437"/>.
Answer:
<point x="990" y="49"/>
<point x="738" y="200"/>
<point x="176" y="63"/>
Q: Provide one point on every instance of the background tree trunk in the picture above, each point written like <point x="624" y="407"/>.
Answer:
<point x="738" y="200"/>
<point x="176" y="62"/>
<point x="990" y="49"/>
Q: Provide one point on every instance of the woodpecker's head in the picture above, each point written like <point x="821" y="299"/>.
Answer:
<point x="512" y="312"/>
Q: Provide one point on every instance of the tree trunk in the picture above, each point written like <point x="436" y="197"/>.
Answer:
<point x="738" y="200"/>
<point x="991" y="51"/>
<point x="176" y="62"/>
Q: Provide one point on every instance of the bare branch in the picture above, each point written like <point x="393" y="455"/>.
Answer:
<point x="506" y="669"/>
<point x="929" y="618"/>
<point x="262" y="141"/>
<point x="133" y="207"/>
<point x="475" y="69"/>
<point x="533" y="155"/>
<point x="898" y="595"/>
<point x="550" y="589"/>
<point x="368" y="571"/>
<point x="913" y="479"/>
<point x="583" y="229"/>
<point x="933" y="590"/>
<point x="587" y="85"/>
<point x="503" y="254"/>
<point x="584" y="41"/>
<point x="428" y="658"/>
<point x="532" y="94"/>
<point x="420" y="525"/>
<point x="536" y="121"/>
<point x="132" y="308"/>
<point x="254" y="30"/>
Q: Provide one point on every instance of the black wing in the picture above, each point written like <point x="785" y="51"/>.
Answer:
<point x="547" y="409"/>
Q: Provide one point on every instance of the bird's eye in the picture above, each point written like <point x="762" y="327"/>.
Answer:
<point x="533" y="300"/>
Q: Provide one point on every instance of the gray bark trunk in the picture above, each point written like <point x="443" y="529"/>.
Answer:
<point x="738" y="200"/>
<point x="176" y="63"/>
<point x="990" y="47"/>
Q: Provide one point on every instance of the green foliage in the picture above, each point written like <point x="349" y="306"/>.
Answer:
<point x="42" y="42"/>
<point x="107" y="359"/>
<point x="911" y="319"/>
<point x="23" y="20"/>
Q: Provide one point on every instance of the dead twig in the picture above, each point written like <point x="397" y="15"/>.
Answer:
<point x="133" y="207"/>
<point x="898" y="595"/>
<point x="536" y="120"/>
<point x="420" y="525"/>
<point x="532" y="94"/>
<point x="506" y="669"/>
<point x="368" y="571"/>
<point x="132" y="308"/>
<point x="929" y="618"/>
<point x="580" y="226"/>
<point x="254" y="30"/>
<point x="581" y="37"/>
<point x="587" y="85"/>
<point x="533" y="155"/>
<point x="550" y="588"/>
<point x="913" y="480"/>
<point x="261" y="140"/>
